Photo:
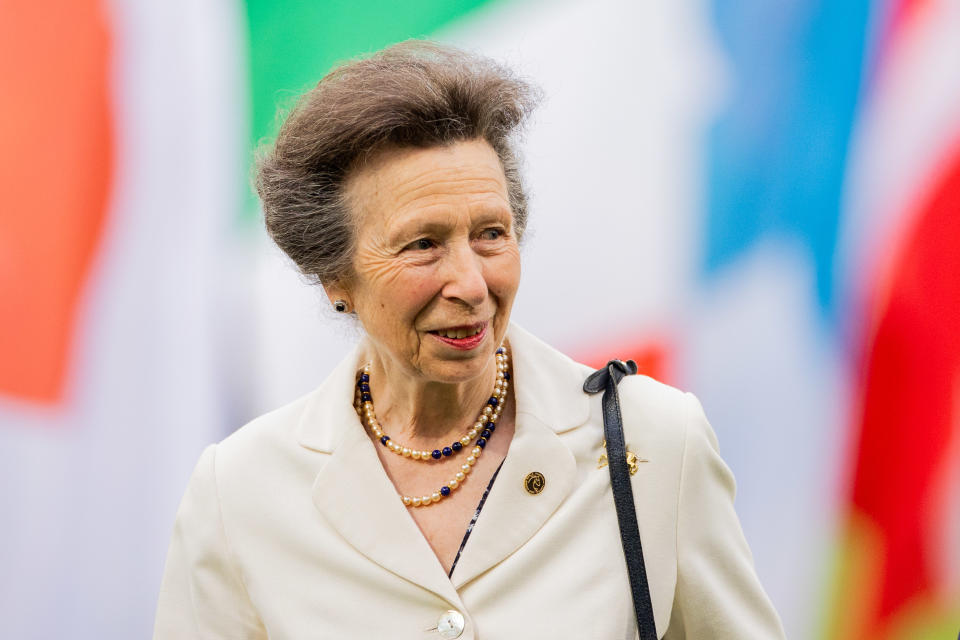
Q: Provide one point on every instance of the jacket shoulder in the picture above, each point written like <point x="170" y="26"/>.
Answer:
<point x="277" y="424"/>
<point x="656" y="401"/>
<point x="261" y="446"/>
<point x="643" y="388"/>
<point x="656" y="416"/>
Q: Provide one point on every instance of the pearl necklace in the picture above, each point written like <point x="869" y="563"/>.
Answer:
<point x="484" y="427"/>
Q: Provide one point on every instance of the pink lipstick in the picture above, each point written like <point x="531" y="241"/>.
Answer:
<point x="465" y="343"/>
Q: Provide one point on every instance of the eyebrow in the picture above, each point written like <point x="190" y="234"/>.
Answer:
<point x="417" y="226"/>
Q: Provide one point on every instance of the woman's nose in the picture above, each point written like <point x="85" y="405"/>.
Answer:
<point x="464" y="276"/>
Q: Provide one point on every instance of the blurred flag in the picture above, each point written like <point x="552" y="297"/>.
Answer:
<point x="899" y="561"/>
<point x="121" y="175"/>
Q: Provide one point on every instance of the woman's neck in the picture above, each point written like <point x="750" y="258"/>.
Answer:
<point x="416" y="410"/>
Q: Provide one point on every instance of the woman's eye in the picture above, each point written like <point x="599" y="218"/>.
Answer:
<point x="420" y="244"/>
<point x="491" y="234"/>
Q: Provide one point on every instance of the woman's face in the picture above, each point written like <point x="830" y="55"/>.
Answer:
<point x="437" y="264"/>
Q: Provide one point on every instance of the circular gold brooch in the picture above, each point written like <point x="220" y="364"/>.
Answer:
<point x="534" y="482"/>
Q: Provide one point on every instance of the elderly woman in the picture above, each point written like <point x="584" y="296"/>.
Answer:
<point x="443" y="482"/>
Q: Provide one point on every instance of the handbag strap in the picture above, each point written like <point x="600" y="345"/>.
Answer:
<point x="606" y="380"/>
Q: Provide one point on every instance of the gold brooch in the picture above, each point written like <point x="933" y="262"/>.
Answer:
<point x="633" y="460"/>
<point x="534" y="482"/>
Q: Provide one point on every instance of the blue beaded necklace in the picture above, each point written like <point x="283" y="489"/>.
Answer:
<point x="482" y="430"/>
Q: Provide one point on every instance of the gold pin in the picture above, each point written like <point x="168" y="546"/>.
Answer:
<point x="633" y="461"/>
<point x="534" y="482"/>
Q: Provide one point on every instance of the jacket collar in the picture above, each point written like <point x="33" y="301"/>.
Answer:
<point x="547" y="387"/>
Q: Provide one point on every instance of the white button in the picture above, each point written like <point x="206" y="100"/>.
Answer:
<point x="450" y="624"/>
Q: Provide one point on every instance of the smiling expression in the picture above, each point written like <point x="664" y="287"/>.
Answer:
<point x="437" y="264"/>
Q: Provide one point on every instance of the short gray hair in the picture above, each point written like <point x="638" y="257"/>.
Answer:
<point x="412" y="94"/>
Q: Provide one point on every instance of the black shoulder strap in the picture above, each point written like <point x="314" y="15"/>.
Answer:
<point x="606" y="380"/>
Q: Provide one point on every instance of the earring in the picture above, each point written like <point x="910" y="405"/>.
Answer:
<point x="340" y="306"/>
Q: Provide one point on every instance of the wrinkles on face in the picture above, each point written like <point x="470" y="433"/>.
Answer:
<point x="392" y="209"/>
<point x="435" y="249"/>
<point x="422" y="183"/>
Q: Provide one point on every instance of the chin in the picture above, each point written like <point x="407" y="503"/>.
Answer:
<point x="462" y="370"/>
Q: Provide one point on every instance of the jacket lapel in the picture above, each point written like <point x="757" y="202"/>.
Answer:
<point x="511" y="514"/>
<point x="356" y="497"/>
<point x="543" y="380"/>
<point x="354" y="494"/>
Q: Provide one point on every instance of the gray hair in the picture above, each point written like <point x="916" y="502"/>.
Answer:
<point x="412" y="94"/>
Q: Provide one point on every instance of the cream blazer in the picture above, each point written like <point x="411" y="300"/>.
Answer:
<point x="291" y="530"/>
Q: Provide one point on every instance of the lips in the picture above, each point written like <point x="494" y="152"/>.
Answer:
<point x="463" y="337"/>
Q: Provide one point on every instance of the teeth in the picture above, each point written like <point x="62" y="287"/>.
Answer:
<point x="459" y="334"/>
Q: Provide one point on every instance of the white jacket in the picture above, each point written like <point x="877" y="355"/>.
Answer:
<point x="290" y="528"/>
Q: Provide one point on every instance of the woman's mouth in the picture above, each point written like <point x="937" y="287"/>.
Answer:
<point x="464" y="337"/>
